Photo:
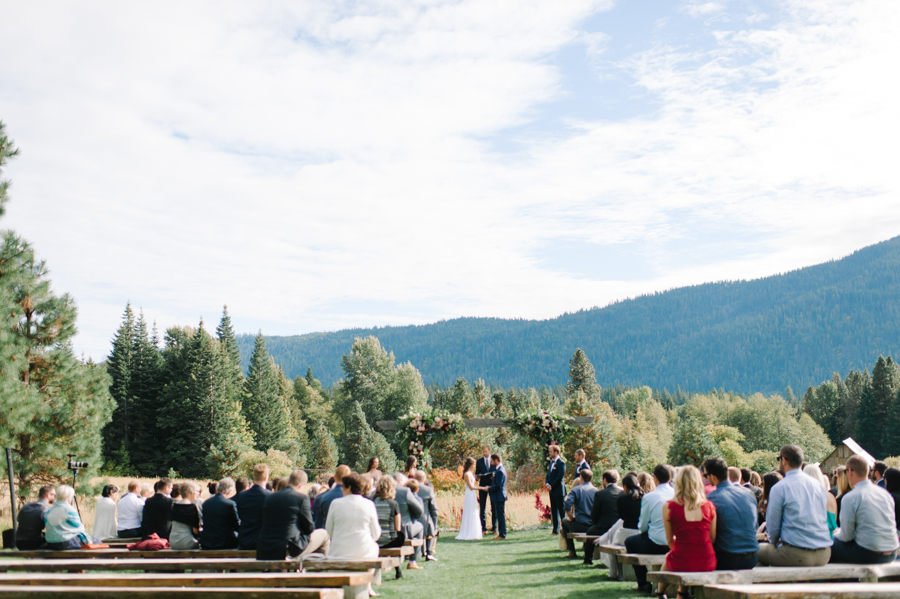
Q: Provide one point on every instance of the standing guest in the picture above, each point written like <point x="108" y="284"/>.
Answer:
<point x="411" y="510"/>
<point x="429" y="515"/>
<point x="105" y="523"/>
<point x="769" y="481"/>
<point x="691" y="523"/>
<point x="323" y="500"/>
<point x="734" y="476"/>
<point x="892" y="486"/>
<point x="176" y="492"/>
<point x="648" y="484"/>
<point x="652" y="538"/>
<point x="747" y="483"/>
<point x="186" y="519"/>
<point x="795" y="518"/>
<point x="498" y="494"/>
<point x="157" y="516"/>
<point x="211" y="488"/>
<point x="735" y="545"/>
<point x="482" y="471"/>
<point x="410" y="469"/>
<point x="878" y="473"/>
<point x="131" y="508"/>
<point x="814" y="472"/>
<point x="628" y="505"/>
<point x="581" y="463"/>
<point x="604" y="511"/>
<point x="579" y="504"/>
<point x="756" y="481"/>
<point x="250" y="508"/>
<point x="221" y="522"/>
<point x="843" y="487"/>
<point x="64" y="527"/>
<point x="30" y="531"/>
<point x="280" y="482"/>
<point x="388" y="511"/>
<point x="352" y="525"/>
<point x="372" y="469"/>
<point x="556" y="486"/>
<point x="241" y="485"/>
<point x="287" y="526"/>
<point x="868" y="532"/>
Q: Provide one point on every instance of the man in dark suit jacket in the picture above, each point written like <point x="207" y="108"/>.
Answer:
<point x="557" y="487"/>
<point x="482" y="471"/>
<point x="323" y="500"/>
<point x="287" y="526"/>
<point x="580" y="462"/>
<point x="604" y="512"/>
<point x="497" y="491"/>
<point x="157" y="517"/>
<point x="220" y="518"/>
<point x="250" y="508"/>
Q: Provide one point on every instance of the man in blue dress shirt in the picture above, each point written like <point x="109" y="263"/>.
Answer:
<point x="578" y="507"/>
<point x="796" y="517"/>
<point x="736" y="545"/>
<point x="868" y="532"/>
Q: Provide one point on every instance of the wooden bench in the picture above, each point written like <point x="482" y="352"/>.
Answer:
<point x="580" y="536"/>
<point x="355" y="584"/>
<point x="147" y="565"/>
<point x="699" y="581"/>
<point x="62" y="592"/>
<point x="378" y="564"/>
<point x="847" y="590"/>
<point x="119" y="553"/>
<point x="399" y="552"/>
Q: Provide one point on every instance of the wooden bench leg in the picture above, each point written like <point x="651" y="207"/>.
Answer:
<point x="376" y="577"/>
<point x="359" y="591"/>
<point x="628" y="572"/>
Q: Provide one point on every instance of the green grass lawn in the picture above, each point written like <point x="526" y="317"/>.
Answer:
<point x="528" y="564"/>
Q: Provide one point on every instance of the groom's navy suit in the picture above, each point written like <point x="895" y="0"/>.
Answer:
<point x="497" y="491"/>
<point x="555" y="477"/>
<point x="482" y="471"/>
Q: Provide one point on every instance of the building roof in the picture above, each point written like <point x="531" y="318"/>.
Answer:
<point x="855" y="448"/>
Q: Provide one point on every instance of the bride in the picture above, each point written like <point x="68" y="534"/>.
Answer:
<point x="470" y="525"/>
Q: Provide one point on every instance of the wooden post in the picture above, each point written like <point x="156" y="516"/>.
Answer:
<point x="12" y="491"/>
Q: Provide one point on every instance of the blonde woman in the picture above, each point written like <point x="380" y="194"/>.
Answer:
<point x="690" y="521"/>
<point x="843" y="486"/>
<point x="815" y="472"/>
<point x="645" y="480"/>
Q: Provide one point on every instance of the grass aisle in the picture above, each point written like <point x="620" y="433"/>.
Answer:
<point x="528" y="565"/>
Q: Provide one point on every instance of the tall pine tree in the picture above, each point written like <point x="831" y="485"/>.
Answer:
<point x="364" y="442"/>
<point x="875" y="407"/>
<point x="118" y="435"/>
<point x="264" y="406"/>
<point x="323" y="451"/>
<point x="582" y="377"/>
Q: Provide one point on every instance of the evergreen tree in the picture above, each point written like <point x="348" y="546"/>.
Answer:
<point x="52" y="403"/>
<point x="598" y="440"/>
<point x="264" y="406"/>
<point x="363" y="443"/>
<point x="789" y="396"/>
<point x="582" y="377"/>
<point x="692" y="443"/>
<point x="118" y="434"/>
<point x="147" y="364"/>
<point x="875" y="407"/>
<point x="823" y="406"/>
<point x="323" y="451"/>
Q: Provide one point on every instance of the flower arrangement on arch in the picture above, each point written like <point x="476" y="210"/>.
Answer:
<point x="419" y="431"/>
<point x="542" y="427"/>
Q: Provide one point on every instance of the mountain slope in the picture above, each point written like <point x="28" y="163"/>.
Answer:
<point x="760" y="335"/>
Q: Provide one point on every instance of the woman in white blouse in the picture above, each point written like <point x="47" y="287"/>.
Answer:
<point x="352" y="523"/>
<point x="105" y="522"/>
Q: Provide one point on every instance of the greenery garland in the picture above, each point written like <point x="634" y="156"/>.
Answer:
<point x="542" y="427"/>
<point x="419" y="431"/>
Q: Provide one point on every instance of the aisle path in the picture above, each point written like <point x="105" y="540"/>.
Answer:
<point x="527" y="565"/>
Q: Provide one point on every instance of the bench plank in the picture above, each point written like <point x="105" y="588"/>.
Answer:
<point x="146" y="565"/>
<point x="227" y="579"/>
<point x="612" y="549"/>
<point x="120" y="553"/>
<point x="847" y="590"/>
<point x="763" y="574"/>
<point x="396" y="552"/>
<point x="639" y="559"/>
<point x="55" y="592"/>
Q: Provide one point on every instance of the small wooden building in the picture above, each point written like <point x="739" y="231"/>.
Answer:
<point x="838" y="457"/>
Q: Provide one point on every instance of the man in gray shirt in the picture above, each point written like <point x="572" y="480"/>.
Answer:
<point x="868" y="532"/>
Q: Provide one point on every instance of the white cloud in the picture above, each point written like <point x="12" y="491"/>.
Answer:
<point x="303" y="163"/>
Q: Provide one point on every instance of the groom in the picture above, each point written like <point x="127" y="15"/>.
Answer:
<point x="497" y="491"/>
<point x="482" y="470"/>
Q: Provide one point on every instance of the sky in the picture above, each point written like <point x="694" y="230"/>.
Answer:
<point x="324" y="165"/>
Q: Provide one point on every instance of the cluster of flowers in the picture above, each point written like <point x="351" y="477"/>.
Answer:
<point x="542" y="426"/>
<point x="418" y="430"/>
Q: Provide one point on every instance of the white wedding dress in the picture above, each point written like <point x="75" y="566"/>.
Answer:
<point x="470" y="525"/>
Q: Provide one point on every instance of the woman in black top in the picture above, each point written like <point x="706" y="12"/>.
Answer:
<point x="629" y="502"/>
<point x="892" y="485"/>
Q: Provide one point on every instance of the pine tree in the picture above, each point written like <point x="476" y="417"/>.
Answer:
<point x="323" y="451"/>
<point x="119" y="434"/>
<point x="52" y="403"/>
<point x="263" y="405"/>
<point x="875" y="407"/>
<point x="582" y="377"/>
<point x="599" y="439"/>
<point x="692" y="443"/>
<point x="364" y="442"/>
<point x="147" y="364"/>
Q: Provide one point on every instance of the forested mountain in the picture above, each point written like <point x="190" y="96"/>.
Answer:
<point x="760" y="335"/>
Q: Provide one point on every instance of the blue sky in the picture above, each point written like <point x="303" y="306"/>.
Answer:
<point x="326" y="165"/>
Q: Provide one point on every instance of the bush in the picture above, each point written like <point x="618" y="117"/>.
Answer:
<point x="443" y="479"/>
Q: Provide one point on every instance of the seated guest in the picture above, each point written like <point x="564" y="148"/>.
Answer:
<point x="157" y="516"/>
<point x="795" y="517"/>
<point x="241" y="485"/>
<point x="64" y="527"/>
<point x="250" y="508"/>
<point x="769" y="480"/>
<point x="747" y="483"/>
<point x="323" y="500"/>
<point x="148" y="491"/>
<point x="388" y="514"/>
<point x="176" y="492"/>
<point x="287" y="526"/>
<point x="628" y="505"/>
<point x="368" y="485"/>
<point x="372" y="469"/>
<point x="429" y="515"/>
<point x="756" y="481"/>
<point x="604" y="510"/>
<point x="411" y="509"/>
<point x="815" y="473"/>
<point x="131" y="508"/>
<point x="30" y="531"/>
<point x="652" y="538"/>
<point x="280" y="482"/>
<point x="690" y="522"/>
<point x="734" y="476"/>
<point x="311" y="492"/>
<point x="735" y="545"/>
<point x="185" y="519"/>
<point x="868" y="532"/>
<point x="878" y="473"/>
<point x="892" y="486"/>
<point x="352" y="524"/>
<point x="105" y="523"/>
<point x="220" y="518"/>
<point x="579" y="505"/>
<point x="211" y="487"/>
<point x="648" y="485"/>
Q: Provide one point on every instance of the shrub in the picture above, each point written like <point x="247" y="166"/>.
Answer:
<point x="443" y="479"/>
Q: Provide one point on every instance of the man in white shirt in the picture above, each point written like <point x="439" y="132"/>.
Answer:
<point x="652" y="539"/>
<point x="131" y="508"/>
<point x="868" y="532"/>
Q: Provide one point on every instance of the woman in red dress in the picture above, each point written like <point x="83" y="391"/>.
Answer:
<point x="690" y="522"/>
